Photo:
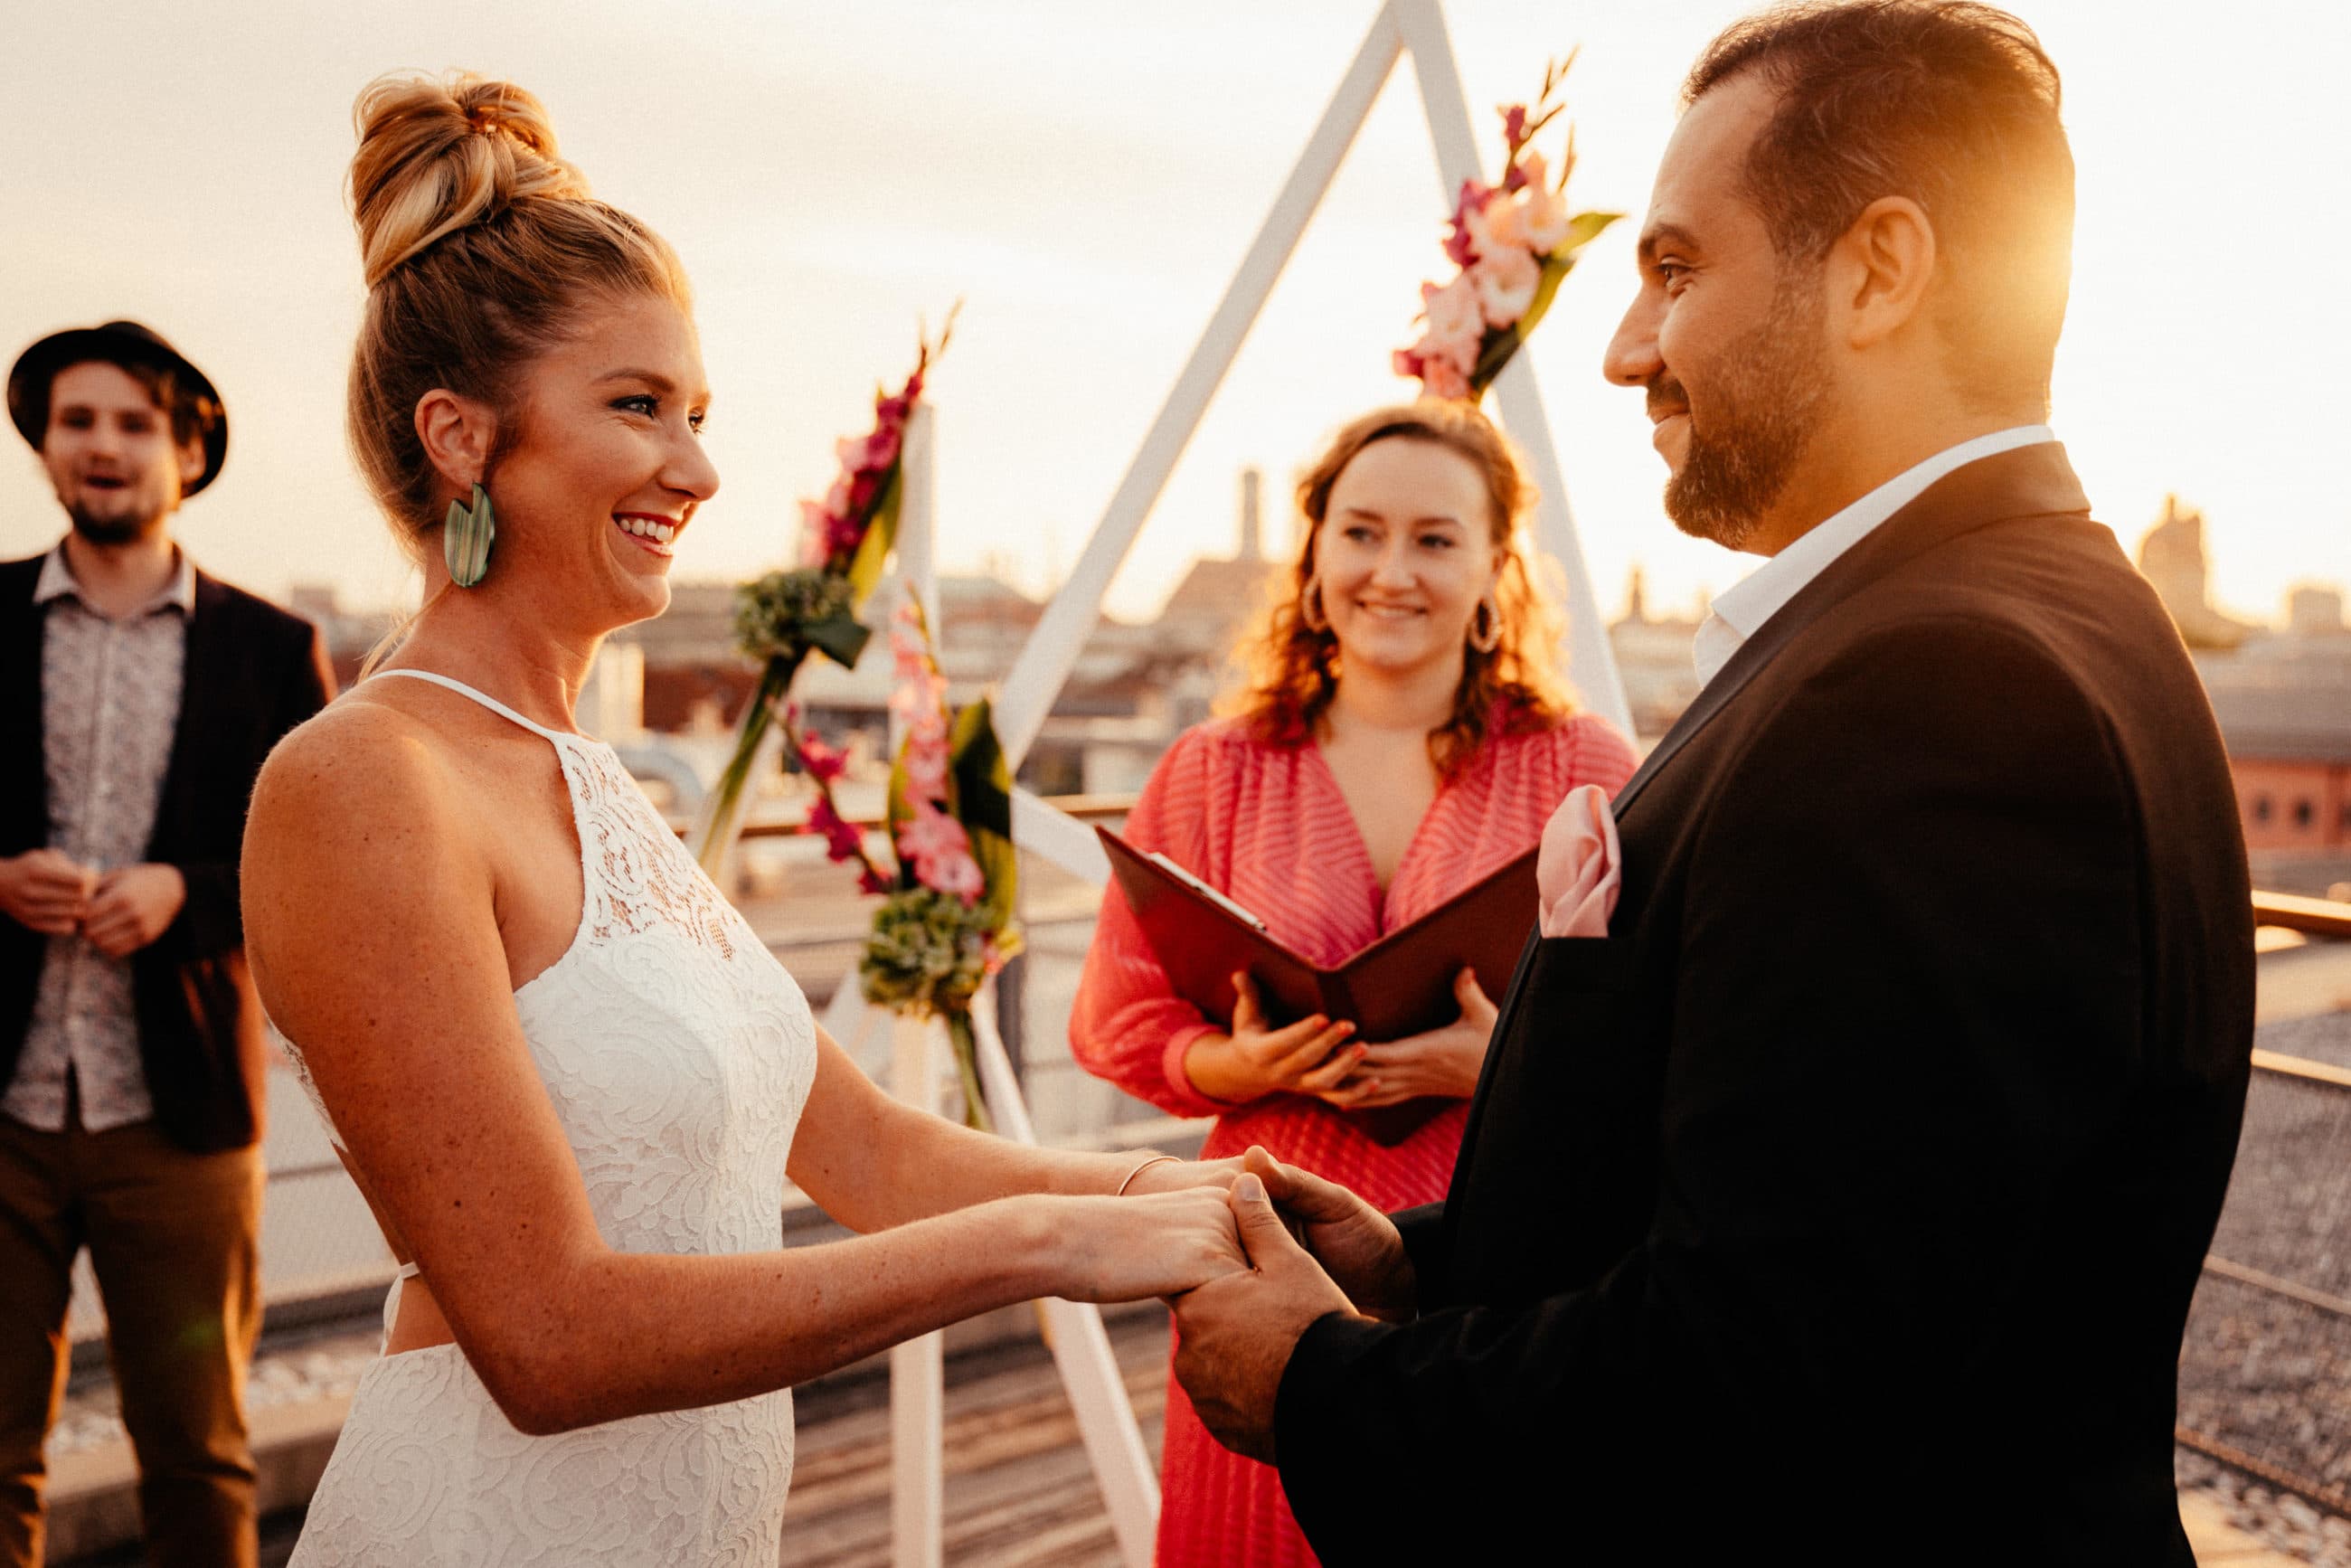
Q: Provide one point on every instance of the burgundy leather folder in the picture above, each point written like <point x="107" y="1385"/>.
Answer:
<point x="1400" y="985"/>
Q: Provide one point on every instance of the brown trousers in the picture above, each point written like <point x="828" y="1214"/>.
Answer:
<point x="173" y="1238"/>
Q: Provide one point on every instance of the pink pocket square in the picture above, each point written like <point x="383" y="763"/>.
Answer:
<point x="1576" y="874"/>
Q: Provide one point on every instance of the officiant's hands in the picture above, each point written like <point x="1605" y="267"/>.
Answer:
<point x="1311" y="1057"/>
<point x="1235" y="1335"/>
<point x="1446" y="1060"/>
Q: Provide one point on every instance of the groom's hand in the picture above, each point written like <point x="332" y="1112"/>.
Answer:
<point x="1357" y="1245"/>
<point x="1235" y="1335"/>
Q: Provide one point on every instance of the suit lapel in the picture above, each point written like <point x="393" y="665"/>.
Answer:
<point x="200" y="689"/>
<point x="20" y="703"/>
<point x="2031" y="481"/>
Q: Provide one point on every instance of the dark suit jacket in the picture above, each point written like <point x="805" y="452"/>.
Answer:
<point x="253" y="673"/>
<point x="1846" y="1200"/>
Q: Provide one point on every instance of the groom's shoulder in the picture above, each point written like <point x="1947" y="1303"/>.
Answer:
<point x="2029" y="629"/>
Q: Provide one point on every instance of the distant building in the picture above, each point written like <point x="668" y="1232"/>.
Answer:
<point x="1218" y="599"/>
<point x="352" y="634"/>
<point x="1653" y="656"/>
<point x="2283" y="702"/>
<point x="2172" y="557"/>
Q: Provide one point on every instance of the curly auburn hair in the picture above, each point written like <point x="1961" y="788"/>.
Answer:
<point x="1293" y="669"/>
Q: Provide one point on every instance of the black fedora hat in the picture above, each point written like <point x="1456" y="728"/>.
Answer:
<point x="116" y="343"/>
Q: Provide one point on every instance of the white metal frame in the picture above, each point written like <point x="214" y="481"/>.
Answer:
<point x="1081" y="1349"/>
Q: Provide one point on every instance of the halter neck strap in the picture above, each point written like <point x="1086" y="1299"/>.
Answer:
<point x="491" y="702"/>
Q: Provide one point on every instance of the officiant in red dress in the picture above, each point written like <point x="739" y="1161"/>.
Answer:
<point x="1404" y="732"/>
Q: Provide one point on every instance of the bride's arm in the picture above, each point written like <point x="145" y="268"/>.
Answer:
<point x="373" y="934"/>
<point x="872" y="1162"/>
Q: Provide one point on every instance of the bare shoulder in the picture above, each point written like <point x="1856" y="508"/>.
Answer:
<point x="354" y="829"/>
<point x="359" y="777"/>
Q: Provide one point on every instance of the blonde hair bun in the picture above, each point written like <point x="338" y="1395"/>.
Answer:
<point x="437" y="154"/>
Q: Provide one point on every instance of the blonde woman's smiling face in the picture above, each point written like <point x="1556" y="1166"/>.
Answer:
<point x="1405" y="553"/>
<point x="609" y="468"/>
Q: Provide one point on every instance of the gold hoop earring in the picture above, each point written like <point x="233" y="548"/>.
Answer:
<point x="1310" y="607"/>
<point x="1486" y="626"/>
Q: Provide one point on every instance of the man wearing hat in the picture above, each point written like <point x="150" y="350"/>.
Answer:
<point x="137" y="697"/>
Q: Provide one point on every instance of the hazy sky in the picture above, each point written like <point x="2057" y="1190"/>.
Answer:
<point x="1088" y="174"/>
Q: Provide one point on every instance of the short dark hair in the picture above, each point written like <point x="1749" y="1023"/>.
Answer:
<point x="192" y="414"/>
<point x="1949" y="103"/>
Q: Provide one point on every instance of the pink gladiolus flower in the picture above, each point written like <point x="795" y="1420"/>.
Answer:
<point x="822" y="762"/>
<point x="1440" y="378"/>
<point x="930" y="833"/>
<point x="1404" y="362"/>
<point x="843" y="536"/>
<point x="841" y="839"/>
<point x="1505" y="279"/>
<point x="1453" y="312"/>
<point x="1514" y="123"/>
<point x="1460" y="352"/>
<point x="1459" y="245"/>
<point x="871" y="880"/>
<point x="926" y="772"/>
<point x="957" y="875"/>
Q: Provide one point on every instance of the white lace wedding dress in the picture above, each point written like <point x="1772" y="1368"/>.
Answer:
<point x="678" y="1054"/>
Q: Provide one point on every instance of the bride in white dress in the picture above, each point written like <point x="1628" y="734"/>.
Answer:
<point x="568" y="1078"/>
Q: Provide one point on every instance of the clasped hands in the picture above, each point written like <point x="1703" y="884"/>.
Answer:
<point x="120" y="911"/>
<point x="1312" y="1248"/>
<point x="1318" y="1057"/>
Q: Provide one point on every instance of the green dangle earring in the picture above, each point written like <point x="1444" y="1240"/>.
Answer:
<point x="466" y="535"/>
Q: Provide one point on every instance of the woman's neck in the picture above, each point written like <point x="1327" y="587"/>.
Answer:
<point x="1405" y="702"/>
<point x="512" y="656"/>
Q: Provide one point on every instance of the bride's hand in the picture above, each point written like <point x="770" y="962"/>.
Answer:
<point x="1162" y="1244"/>
<point x="1175" y="1176"/>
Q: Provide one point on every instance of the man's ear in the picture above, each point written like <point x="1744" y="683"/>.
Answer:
<point x="1881" y="270"/>
<point x="457" y="433"/>
<point x="191" y="462"/>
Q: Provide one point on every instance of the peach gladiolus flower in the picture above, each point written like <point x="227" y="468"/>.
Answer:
<point x="1453" y="312"/>
<point x="1543" y="219"/>
<point x="1440" y="378"/>
<point x="1505" y="278"/>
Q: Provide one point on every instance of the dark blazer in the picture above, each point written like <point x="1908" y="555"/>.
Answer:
<point x="1845" y="1200"/>
<point x="253" y="673"/>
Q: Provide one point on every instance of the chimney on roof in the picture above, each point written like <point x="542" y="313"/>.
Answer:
<point x="1252" y="518"/>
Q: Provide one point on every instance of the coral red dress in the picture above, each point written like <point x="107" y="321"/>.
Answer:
<point x="1267" y="825"/>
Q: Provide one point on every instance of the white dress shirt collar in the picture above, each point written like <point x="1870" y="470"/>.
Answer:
<point x="56" y="579"/>
<point x="1741" y="611"/>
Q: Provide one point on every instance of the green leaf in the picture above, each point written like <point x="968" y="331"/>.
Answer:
<point x="841" y="638"/>
<point x="1582" y="230"/>
<point x="976" y="763"/>
<point x="873" y="549"/>
<point x="983" y="803"/>
<point x="727" y="802"/>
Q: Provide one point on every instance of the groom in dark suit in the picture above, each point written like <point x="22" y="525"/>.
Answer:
<point x="1846" y="1198"/>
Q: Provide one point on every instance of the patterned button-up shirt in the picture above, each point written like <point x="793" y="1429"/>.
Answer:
<point x="109" y="702"/>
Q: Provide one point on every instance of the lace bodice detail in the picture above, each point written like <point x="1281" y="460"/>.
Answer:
<point x="676" y="1050"/>
<point x="677" y="1054"/>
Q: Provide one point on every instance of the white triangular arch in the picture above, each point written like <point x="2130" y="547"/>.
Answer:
<point x="1081" y="1346"/>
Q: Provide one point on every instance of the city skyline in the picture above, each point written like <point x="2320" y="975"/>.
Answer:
<point x="830" y="178"/>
